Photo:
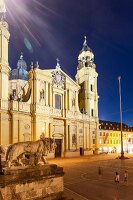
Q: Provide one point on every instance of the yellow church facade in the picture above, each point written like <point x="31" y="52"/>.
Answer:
<point x="48" y="102"/>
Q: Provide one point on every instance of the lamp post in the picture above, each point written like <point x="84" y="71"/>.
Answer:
<point x="122" y="151"/>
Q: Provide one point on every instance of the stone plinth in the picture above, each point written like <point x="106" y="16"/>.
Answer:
<point x="32" y="183"/>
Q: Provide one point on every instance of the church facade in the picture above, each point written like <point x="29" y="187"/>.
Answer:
<point x="48" y="103"/>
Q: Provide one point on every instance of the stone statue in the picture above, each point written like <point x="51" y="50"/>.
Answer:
<point x="2" y="10"/>
<point x="29" y="153"/>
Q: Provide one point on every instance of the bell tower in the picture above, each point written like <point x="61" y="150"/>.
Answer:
<point x="88" y="97"/>
<point x="4" y="76"/>
<point x="87" y="79"/>
<point x="4" y="66"/>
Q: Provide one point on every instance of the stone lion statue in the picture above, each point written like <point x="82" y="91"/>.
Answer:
<point x="29" y="153"/>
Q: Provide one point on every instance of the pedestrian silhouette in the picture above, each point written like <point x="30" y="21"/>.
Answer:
<point x="125" y="176"/>
<point x="99" y="171"/>
<point x="117" y="177"/>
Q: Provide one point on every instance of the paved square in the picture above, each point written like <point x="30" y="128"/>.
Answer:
<point x="82" y="180"/>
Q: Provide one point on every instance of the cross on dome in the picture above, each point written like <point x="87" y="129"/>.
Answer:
<point x="21" y="56"/>
<point x="85" y="41"/>
<point x="58" y="64"/>
<point x="31" y="65"/>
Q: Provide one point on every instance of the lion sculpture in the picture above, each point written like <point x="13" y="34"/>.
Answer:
<point x="34" y="152"/>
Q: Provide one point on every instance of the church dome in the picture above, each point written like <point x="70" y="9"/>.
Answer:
<point x="21" y="71"/>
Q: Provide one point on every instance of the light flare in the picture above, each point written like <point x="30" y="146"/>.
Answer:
<point x="23" y="15"/>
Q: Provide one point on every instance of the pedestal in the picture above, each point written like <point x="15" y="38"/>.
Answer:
<point x="32" y="183"/>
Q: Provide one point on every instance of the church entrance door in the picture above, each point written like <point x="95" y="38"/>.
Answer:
<point x="58" y="148"/>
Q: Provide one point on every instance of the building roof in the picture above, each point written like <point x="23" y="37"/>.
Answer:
<point x="109" y="125"/>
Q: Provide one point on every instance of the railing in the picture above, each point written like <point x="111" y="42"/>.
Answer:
<point x="46" y="110"/>
<point x="22" y="106"/>
<point x="4" y="104"/>
<point x="19" y="106"/>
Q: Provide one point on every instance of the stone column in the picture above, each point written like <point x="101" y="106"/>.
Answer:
<point x="63" y="105"/>
<point x="65" y="101"/>
<point x="77" y="137"/>
<point x="70" y="137"/>
<point x="52" y="97"/>
<point x="66" y="137"/>
<point x="90" y="137"/>
<point x="76" y="101"/>
<point x="4" y="128"/>
<point x="87" y="138"/>
<point x="69" y="100"/>
<point x="84" y="136"/>
<point x="47" y="94"/>
<point x="15" y="129"/>
<point x="50" y="130"/>
<point x="50" y="94"/>
<point x="97" y="139"/>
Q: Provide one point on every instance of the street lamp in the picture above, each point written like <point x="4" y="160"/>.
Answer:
<point x="122" y="151"/>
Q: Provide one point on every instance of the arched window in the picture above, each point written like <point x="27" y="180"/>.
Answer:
<point x="91" y="87"/>
<point x="92" y="112"/>
<point x="57" y="101"/>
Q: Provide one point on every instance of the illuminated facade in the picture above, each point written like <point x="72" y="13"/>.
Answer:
<point x="48" y="102"/>
<point x="110" y="137"/>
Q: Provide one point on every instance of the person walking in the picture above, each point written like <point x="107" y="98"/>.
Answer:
<point x="117" y="177"/>
<point x="99" y="171"/>
<point x="125" y="177"/>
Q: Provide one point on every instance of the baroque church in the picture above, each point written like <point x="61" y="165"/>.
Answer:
<point x="47" y="102"/>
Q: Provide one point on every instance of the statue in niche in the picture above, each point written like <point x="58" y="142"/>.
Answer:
<point x="29" y="153"/>
<point x="42" y="94"/>
<point x="73" y="102"/>
<point x="74" y="139"/>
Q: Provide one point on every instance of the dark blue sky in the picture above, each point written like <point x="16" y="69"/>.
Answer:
<point x="46" y="29"/>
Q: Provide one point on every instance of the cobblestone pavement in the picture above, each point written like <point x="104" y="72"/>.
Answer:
<point x="82" y="181"/>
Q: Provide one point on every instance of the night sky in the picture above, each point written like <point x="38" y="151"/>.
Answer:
<point x="46" y="29"/>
